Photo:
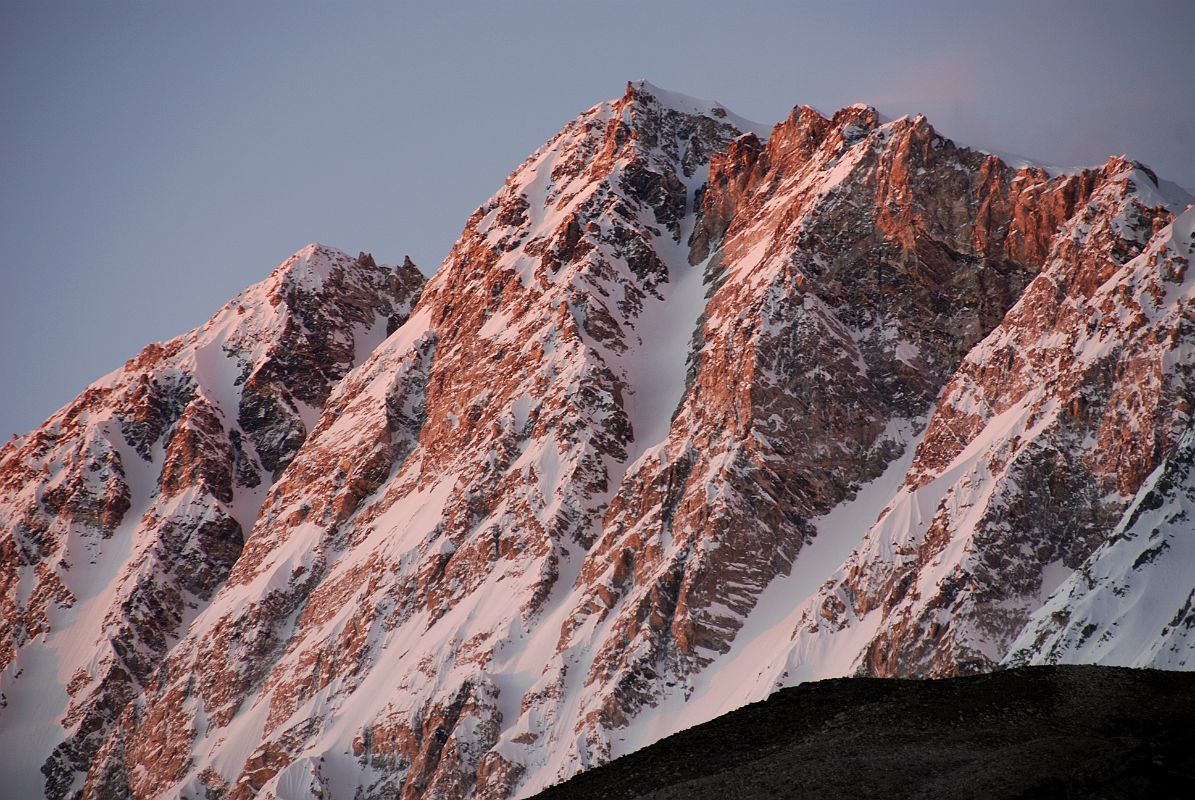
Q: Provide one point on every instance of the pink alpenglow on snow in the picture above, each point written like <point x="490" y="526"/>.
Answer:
<point x="694" y="409"/>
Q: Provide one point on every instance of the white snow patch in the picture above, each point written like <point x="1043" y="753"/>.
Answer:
<point x="687" y="104"/>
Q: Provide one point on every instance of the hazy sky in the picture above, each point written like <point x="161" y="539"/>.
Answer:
<point x="157" y="157"/>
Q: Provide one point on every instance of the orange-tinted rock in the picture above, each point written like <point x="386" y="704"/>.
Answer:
<point x="142" y="478"/>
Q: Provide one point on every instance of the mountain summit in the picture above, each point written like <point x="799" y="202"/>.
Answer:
<point x="692" y="410"/>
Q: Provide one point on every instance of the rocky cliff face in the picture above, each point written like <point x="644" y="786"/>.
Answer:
<point x="1130" y="603"/>
<point x="663" y="384"/>
<point x="438" y="515"/>
<point x="1039" y="442"/>
<point x="124" y="513"/>
<point x="861" y="262"/>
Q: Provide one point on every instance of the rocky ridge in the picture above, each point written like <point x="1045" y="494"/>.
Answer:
<point x="1040" y="441"/>
<point x="863" y="261"/>
<point x="675" y="362"/>
<point x="1073" y="731"/>
<point x="1130" y="602"/>
<point x="124" y="513"/>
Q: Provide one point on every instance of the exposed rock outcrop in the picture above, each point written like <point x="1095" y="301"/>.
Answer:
<point x="124" y="513"/>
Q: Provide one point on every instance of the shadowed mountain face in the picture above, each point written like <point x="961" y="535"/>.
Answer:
<point x="693" y="410"/>
<point x="1060" y="732"/>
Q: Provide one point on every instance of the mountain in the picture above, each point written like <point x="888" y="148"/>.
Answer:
<point x="1036" y="448"/>
<point x="123" y="514"/>
<point x="1072" y="731"/>
<point x="691" y="411"/>
<point x="1130" y="591"/>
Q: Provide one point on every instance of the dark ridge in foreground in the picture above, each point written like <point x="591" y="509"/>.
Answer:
<point x="1059" y="732"/>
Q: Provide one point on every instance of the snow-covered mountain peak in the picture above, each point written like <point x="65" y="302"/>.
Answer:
<point x="638" y="452"/>
<point x="311" y="266"/>
<point x="126" y="510"/>
<point x="644" y="91"/>
<point x="1142" y="181"/>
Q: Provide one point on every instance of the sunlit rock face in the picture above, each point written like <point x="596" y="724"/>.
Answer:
<point x="1130" y="603"/>
<point x="124" y="513"/>
<point x="1039" y="443"/>
<point x="860" y="262"/>
<point x="617" y="467"/>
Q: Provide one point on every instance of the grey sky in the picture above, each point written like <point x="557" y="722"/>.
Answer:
<point x="156" y="158"/>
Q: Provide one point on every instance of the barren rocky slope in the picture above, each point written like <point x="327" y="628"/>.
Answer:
<point x="1063" y="732"/>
